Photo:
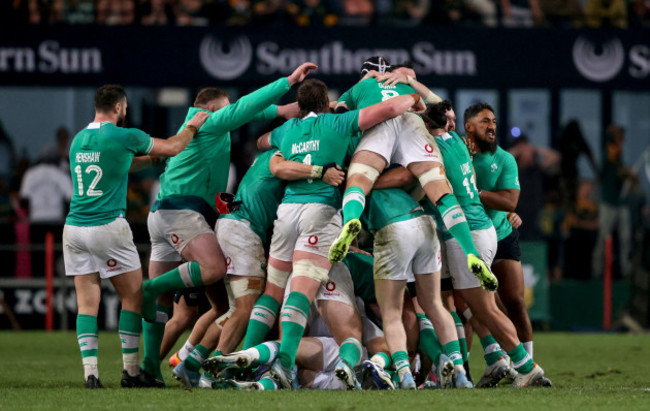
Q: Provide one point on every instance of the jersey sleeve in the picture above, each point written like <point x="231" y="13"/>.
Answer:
<point x="346" y="124"/>
<point x="347" y="98"/>
<point x="509" y="178"/>
<point x="276" y="136"/>
<point x="137" y="141"/>
<point x="247" y="107"/>
<point x="268" y="113"/>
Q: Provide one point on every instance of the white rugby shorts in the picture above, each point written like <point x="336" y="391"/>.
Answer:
<point x="107" y="249"/>
<point x="455" y="260"/>
<point x="171" y="230"/>
<point x="401" y="140"/>
<point x="310" y="227"/>
<point x="407" y="247"/>
<point x="339" y="287"/>
<point x="242" y="248"/>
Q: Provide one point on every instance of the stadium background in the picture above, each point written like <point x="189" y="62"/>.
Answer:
<point x="537" y="78"/>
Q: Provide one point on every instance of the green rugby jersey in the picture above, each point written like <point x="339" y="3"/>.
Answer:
<point x="200" y="171"/>
<point x="317" y="139"/>
<point x="260" y="193"/>
<point x="389" y="205"/>
<point x="496" y="172"/>
<point x="361" y="271"/>
<point x="369" y="91"/>
<point x="460" y="173"/>
<point x="100" y="159"/>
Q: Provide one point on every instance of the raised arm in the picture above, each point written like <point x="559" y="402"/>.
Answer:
<point x="175" y="144"/>
<point x="390" y="79"/>
<point x="375" y="114"/>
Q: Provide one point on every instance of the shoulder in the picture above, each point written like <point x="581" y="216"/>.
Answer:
<point x="504" y="156"/>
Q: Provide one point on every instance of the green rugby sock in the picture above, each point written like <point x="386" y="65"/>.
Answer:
<point x="350" y="351"/>
<point x="130" y="328"/>
<point x="402" y="365"/>
<point x="452" y="350"/>
<point x="194" y="361"/>
<point x="87" y="331"/>
<point x="184" y="276"/>
<point x="268" y="383"/>
<point x="354" y="201"/>
<point x="456" y="223"/>
<point x="294" y="320"/>
<point x="522" y="362"/>
<point x="429" y="342"/>
<point x="460" y="330"/>
<point x="492" y="349"/>
<point x="267" y="352"/>
<point x="263" y="316"/>
<point x="153" y="335"/>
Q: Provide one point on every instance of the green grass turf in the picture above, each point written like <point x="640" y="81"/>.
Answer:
<point x="589" y="371"/>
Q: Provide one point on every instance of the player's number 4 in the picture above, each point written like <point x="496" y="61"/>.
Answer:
<point x="91" y="188"/>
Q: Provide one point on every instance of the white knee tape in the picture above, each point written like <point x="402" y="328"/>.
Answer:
<point x="357" y="168"/>
<point x="277" y="277"/>
<point x="434" y="174"/>
<point x="246" y="286"/>
<point x="221" y="321"/>
<point x="306" y="268"/>
<point x="467" y="314"/>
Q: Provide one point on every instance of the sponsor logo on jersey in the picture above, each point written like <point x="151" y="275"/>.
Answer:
<point x="331" y="290"/>
<point x="175" y="239"/>
<point x="330" y="286"/>
<point x="305" y="146"/>
<point x="225" y="63"/>
<point x="494" y="167"/>
<point x="465" y="168"/>
<point x="598" y="62"/>
<point x="229" y="263"/>
<point x="111" y="262"/>
<point x="428" y="148"/>
<point x="312" y="241"/>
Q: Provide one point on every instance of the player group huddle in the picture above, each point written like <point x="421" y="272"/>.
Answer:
<point x="435" y="211"/>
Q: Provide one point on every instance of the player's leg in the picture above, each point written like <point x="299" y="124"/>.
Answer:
<point x="371" y="157"/>
<point x="390" y="296"/>
<point x="182" y="319"/>
<point x="246" y="291"/>
<point x="511" y="293"/>
<point x="88" y="289"/>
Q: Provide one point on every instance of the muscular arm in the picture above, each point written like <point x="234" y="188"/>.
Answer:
<point x="396" y="177"/>
<point x="176" y="144"/>
<point x="375" y="114"/>
<point x="263" y="142"/>
<point x="504" y="200"/>
<point x="292" y="170"/>
<point x="142" y="162"/>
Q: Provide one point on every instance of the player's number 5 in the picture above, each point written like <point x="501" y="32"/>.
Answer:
<point x="91" y="188"/>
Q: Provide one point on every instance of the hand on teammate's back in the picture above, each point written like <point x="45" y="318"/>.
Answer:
<point x="334" y="176"/>
<point x="198" y="119"/>
<point x="390" y="79"/>
<point x="419" y="106"/>
<point x="301" y="72"/>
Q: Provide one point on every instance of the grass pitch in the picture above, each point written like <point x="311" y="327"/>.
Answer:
<point x="589" y="371"/>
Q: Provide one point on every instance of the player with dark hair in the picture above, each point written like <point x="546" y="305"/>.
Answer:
<point x="97" y="240"/>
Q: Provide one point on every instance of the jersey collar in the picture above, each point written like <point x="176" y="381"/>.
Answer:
<point x="311" y="114"/>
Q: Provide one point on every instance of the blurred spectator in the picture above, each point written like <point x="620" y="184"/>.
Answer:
<point x="276" y="12"/>
<point x="357" y="12"/>
<point x="550" y="220"/>
<point x="581" y="225"/>
<point x="606" y="13"/>
<point x="315" y="12"/>
<point x="485" y="9"/>
<point x="45" y="11"/>
<point x="241" y="13"/>
<point x="521" y="13"/>
<point x="157" y="13"/>
<point x="46" y="189"/>
<point x="191" y="13"/>
<point x="62" y="149"/>
<point x="7" y="156"/>
<point x="446" y="12"/>
<point x="639" y="13"/>
<point x="571" y="145"/>
<point x="116" y="12"/>
<point x="79" y="11"/>
<point x="534" y="164"/>
<point x="561" y="13"/>
<point x="614" y="213"/>
<point x="411" y="12"/>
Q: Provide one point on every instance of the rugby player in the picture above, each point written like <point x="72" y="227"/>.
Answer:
<point x="402" y="140"/>
<point x="180" y="220"/>
<point x="97" y="240"/>
<point x="308" y="217"/>
<point x="481" y="303"/>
